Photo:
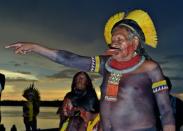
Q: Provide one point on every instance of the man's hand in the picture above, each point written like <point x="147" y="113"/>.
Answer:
<point x="26" y="47"/>
<point x="21" y="47"/>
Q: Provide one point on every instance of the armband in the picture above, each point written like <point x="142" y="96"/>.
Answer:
<point x="95" y="65"/>
<point x="159" y="86"/>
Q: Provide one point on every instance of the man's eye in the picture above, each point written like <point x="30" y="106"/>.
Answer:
<point x="121" y="40"/>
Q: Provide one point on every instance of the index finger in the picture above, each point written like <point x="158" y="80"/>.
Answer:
<point x="13" y="45"/>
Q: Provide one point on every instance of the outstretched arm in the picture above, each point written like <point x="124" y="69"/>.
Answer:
<point x="60" y="56"/>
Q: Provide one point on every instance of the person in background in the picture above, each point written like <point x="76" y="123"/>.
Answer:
<point x="13" y="128"/>
<point x="81" y="87"/>
<point x="89" y="111"/>
<point x="61" y="114"/>
<point x="2" y="83"/>
<point x="31" y="108"/>
<point x="71" y="121"/>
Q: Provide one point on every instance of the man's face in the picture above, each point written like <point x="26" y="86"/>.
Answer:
<point x="81" y="81"/>
<point x="122" y="48"/>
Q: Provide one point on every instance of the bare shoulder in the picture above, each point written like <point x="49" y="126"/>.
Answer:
<point x="150" y="65"/>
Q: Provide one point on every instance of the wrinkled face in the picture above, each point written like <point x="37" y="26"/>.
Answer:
<point x="122" y="48"/>
<point x="81" y="81"/>
<point x="67" y="107"/>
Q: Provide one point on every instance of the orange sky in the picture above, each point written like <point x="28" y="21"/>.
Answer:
<point x="50" y="89"/>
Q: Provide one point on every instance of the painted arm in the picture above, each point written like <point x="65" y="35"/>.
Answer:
<point x="59" y="56"/>
<point x="166" y="113"/>
<point x="161" y="93"/>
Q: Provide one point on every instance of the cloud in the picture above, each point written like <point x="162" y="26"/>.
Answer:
<point x="172" y="69"/>
<point x="24" y="72"/>
<point x="173" y="57"/>
<point x="67" y="73"/>
<point x="163" y="62"/>
<point x="14" y="76"/>
<point x="172" y="64"/>
<point x="79" y="28"/>
<point x="94" y="76"/>
<point x="176" y="78"/>
<point x="9" y="89"/>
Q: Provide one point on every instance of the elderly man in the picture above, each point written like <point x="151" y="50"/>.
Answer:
<point x="132" y="82"/>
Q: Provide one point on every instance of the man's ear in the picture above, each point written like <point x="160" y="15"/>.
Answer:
<point x="135" y="42"/>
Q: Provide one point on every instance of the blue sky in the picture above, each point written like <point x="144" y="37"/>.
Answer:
<point x="78" y="26"/>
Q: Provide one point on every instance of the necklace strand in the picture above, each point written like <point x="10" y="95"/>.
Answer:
<point x="112" y="70"/>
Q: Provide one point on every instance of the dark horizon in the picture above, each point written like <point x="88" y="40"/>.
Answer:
<point x="53" y="103"/>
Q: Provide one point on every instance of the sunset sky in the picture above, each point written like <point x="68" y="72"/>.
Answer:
<point x="78" y="26"/>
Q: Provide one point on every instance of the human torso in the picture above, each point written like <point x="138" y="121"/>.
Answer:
<point x="134" y="108"/>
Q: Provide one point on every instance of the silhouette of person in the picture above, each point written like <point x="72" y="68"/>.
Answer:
<point x="13" y="128"/>
<point x="2" y="128"/>
<point x="31" y="108"/>
<point x="2" y="83"/>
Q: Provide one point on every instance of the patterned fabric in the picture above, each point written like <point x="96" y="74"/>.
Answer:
<point x="65" y="125"/>
<point x="92" y="124"/>
<point x="95" y="65"/>
<point x="159" y="86"/>
<point x="30" y="106"/>
<point x="112" y="87"/>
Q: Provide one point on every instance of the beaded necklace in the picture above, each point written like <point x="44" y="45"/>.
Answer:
<point x="123" y="71"/>
<point x="114" y="78"/>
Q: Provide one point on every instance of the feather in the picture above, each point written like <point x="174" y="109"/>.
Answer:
<point x="109" y="25"/>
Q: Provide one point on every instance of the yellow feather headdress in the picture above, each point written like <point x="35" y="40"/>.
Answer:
<point x="135" y="20"/>
<point x="110" y="24"/>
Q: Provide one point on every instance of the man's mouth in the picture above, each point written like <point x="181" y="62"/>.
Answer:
<point x="112" y="51"/>
<point x="114" y="48"/>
